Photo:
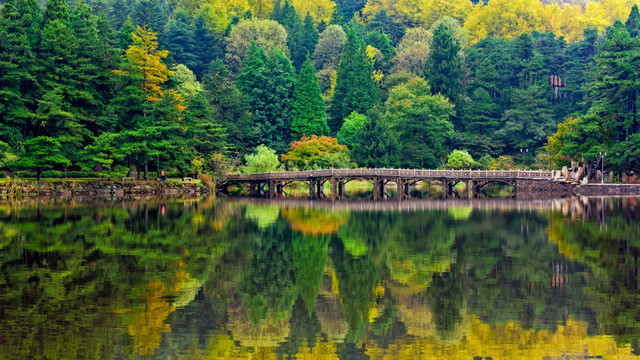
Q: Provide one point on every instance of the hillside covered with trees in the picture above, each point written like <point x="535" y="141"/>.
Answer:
<point x="108" y="86"/>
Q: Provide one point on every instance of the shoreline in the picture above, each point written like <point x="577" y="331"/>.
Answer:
<point x="99" y="188"/>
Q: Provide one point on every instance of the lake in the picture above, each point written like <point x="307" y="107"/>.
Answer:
<point x="287" y="279"/>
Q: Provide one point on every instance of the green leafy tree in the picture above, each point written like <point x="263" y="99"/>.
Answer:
<point x="308" y="115"/>
<point x="263" y="160"/>
<point x="422" y="121"/>
<point x="41" y="153"/>
<point x="355" y="90"/>
<point x="351" y="126"/>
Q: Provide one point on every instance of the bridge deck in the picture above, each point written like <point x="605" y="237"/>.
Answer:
<point x="393" y="173"/>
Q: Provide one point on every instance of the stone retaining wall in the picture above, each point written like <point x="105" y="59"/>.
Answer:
<point x="542" y="189"/>
<point x="608" y="190"/>
<point x="99" y="188"/>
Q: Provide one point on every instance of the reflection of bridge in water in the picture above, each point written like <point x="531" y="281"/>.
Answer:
<point x="272" y="184"/>
<point x="417" y="205"/>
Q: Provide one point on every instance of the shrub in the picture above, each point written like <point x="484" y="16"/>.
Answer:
<point x="503" y="162"/>
<point x="263" y="160"/>
<point x="460" y="159"/>
<point x="485" y="162"/>
<point x="317" y="153"/>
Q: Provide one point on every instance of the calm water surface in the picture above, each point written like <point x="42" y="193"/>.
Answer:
<point x="243" y="279"/>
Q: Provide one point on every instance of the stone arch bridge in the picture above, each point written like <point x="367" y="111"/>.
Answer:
<point x="526" y="183"/>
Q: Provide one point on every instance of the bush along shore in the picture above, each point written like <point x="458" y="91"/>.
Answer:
<point x="99" y="187"/>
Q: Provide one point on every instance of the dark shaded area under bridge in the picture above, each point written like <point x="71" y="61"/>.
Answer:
<point x="527" y="184"/>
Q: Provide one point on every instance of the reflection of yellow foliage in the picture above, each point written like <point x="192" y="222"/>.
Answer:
<point x="268" y="333"/>
<point x="148" y="323"/>
<point x="508" y="341"/>
<point x="322" y="350"/>
<point x="263" y="215"/>
<point x="556" y="236"/>
<point x="315" y="222"/>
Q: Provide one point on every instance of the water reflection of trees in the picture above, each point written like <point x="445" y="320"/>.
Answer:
<point x="213" y="279"/>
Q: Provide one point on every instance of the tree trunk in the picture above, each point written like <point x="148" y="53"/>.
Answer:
<point x="38" y="173"/>
<point x="146" y="171"/>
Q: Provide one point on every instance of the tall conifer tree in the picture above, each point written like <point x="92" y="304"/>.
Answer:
<point x="355" y="90"/>
<point x="444" y="67"/>
<point x="308" y="116"/>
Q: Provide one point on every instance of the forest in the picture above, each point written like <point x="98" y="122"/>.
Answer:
<point x="104" y="87"/>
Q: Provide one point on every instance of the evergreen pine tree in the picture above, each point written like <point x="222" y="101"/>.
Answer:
<point x="204" y="133"/>
<point x="229" y="106"/>
<point x="382" y="42"/>
<point x="375" y="145"/>
<point x="149" y="12"/>
<point x="57" y="10"/>
<point x="308" y="116"/>
<point x="207" y="46"/>
<point x="276" y="13"/>
<point x="180" y="40"/>
<point x="482" y="115"/>
<point x="444" y="67"/>
<point x="308" y="40"/>
<point x="125" y="37"/>
<point x="383" y="23"/>
<point x="355" y="90"/>
<point x="580" y="62"/>
<point x="529" y="121"/>
<point x="272" y="102"/>
<point x="633" y="21"/>
<point x="16" y="74"/>
<point x="118" y="13"/>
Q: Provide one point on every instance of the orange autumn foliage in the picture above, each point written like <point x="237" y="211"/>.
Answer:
<point x="314" y="222"/>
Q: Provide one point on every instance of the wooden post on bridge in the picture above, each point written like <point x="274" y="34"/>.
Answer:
<point x="471" y="189"/>
<point x="280" y="189"/>
<point x="341" y="188"/>
<point x="407" y="189"/>
<point x="399" y="189"/>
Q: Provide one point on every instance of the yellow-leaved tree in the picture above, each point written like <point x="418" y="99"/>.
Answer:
<point x="144" y="60"/>
<point x="318" y="9"/>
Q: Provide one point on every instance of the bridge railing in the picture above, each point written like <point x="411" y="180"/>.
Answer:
<point x="406" y="173"/>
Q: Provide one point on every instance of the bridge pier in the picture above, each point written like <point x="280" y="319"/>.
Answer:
<point x="280" y="189"/>
<point x="320" y="188"/>
<point x="341" y="189"/>
<point x="312" y="188"/>
<point x="254" y="188"/>
<point x="334" y="189"/>
<point x="272" y="189"/>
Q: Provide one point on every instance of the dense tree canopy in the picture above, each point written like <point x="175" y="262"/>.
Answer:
<point x="132" y="84"/>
